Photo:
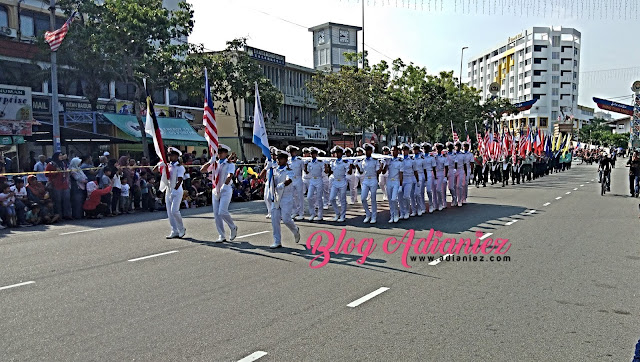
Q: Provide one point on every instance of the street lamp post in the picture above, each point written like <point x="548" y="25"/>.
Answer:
<point x="461" y="58"/>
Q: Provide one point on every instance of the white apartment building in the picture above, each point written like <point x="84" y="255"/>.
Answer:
<point x="538" y="63"/>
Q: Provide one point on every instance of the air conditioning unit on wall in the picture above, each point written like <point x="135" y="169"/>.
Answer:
<point x="8" y="32"/>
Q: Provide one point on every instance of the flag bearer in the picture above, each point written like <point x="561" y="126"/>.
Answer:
<point x="173" y="195"/>
<point x="281" y="208"/>
<point x="442" y="170"/>
<point x="469" y="162"/>
<point x="339" y="168"/>
<point x="268" y="164"/>
<point x="394" y="185"/>
<point x="315" y="169"/>
<point x="370" y="169"/>
<point x="420" y="186"/>
<point x="222" y="193"/>
<point x="460" y="174"/>
<point x="352" y="180"/>
<point x="452" y="159"/>
<point x="297" y="167"/>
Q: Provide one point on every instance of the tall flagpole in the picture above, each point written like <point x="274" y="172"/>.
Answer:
<point x="55" y="113"/>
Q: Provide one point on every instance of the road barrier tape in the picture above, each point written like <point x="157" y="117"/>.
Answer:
<point x="97" y="168"/>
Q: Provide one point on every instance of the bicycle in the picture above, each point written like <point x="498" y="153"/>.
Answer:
<point x="606" y="182"/>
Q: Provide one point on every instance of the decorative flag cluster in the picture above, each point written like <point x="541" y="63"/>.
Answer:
<point x="55" y="38"/>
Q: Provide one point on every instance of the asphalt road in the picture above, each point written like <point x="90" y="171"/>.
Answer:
<point x="81" y="292"/>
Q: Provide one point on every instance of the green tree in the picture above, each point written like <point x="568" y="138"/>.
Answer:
<point x="132" y="40"/>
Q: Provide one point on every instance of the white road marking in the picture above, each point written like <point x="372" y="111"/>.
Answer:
<point x="576" y="189"/>
<point x="17" y="285"/>
<point x="154" y="255"/>
<point x="439" y="260"/>
<point x="80" y="231"/>
<point x="531" y="212"/>
<point x="547" y="204"/>
<point x="359" y="301"/>
<point x="254" y="234"/>
<point x="568" y="192"/>
<point x="581" y="185"/>
<point x="587" y="181"/>
<point x="485" y="236"/>
<point x="511" y="222"/>
<point x="254" y="356"/>
<point x="558" y="198"/>
<point x="591" y="180"/>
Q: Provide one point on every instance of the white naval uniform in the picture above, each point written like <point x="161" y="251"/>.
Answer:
<point x="282" y="206"/>
<point x="326" y="189"/>
<point x="430" y="183"/>
<point x="418" y="195"/>
<point x="315" y="194"/>
<point x="370" y="167"/>
<point x="452" y="159"/>
<point x="461" y="160"/>
<point x="305" y="178"/>
<point x="173" y="198"/>
<point x="382" y="179"/>
<point x="393" y="185"/>
<point x="407" y="203"/>
<point x="441" y="181"/>
<point x="469" y="161"/>
<point x="221" y="197"/>
<point x="267" y="186"/>
<point x="339" y="169"/>
<point x="297" y="168"/>
<point x="353" y="184"/>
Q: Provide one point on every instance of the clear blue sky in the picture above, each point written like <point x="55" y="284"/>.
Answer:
<point x="429" y="38"/>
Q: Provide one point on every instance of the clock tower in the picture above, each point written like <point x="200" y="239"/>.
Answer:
<point x="330" y="42"/>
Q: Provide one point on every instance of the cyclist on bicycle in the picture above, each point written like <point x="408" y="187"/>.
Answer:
<point x="604" y="169"/>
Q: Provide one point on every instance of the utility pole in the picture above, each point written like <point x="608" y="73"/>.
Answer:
<point x="363" y="33"/>
<point x="55" y="113"/>
<point x="461" y="58"/>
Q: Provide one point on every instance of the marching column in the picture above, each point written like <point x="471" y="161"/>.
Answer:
<point x="370" y="169"/>
<point x="297" y="168"/>
<point x="382" y="180"/>
<point x="442" y="170"/>
<point x="222" y="193"/>
<point x="339" y="169"/>
<point x="315" y="169"/>
<point x="394" y="185"/>
<point x="430" y="171"/>
<point x="420" y="186"/>
<point x="451" y="175"/>
<point x="174" y="193"/>
<point x="282" y="205"/>
<point x="409" y="179"/>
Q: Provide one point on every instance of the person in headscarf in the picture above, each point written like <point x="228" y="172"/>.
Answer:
<point x="37" y="194"/>
<point x="58" y="174"/>
<point x="78" y="187"/>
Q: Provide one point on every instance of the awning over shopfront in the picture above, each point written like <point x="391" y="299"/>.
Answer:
<point x="43" y="132"/>
<point x="175" y="131"/>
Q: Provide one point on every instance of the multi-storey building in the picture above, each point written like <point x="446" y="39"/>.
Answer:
<point x="540" y="63"/>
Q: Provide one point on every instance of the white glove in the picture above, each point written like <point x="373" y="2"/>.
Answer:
<point x="400" y="189"/>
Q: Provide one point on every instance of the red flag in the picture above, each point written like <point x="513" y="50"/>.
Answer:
<point x="152" y="128"/>
<point x="55" y="38"/>
<point x="210" y="129"/>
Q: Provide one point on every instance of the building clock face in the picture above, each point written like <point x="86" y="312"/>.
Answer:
<point x="321" y="37"/>
<point x="344" y="36"/>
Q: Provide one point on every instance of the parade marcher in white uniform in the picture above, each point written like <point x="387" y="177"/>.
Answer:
<point x="222" y="193"/>
<point x="297" y="167"/>
<point x="305" y="176"/>
<point x="409" y="179"/>
<point x="469" y="162"/>
<point x="430" y="172"/>
<point x="442" y="170"/>
<point x="352" y="180"/>
<point x="268" y="164"/>
<point x="394" y="185"/>
<point x="420" y="186"/>
<point x="359" y="153"/>
<point x="174" y="194"/>
<point x="452" y="159"/>
<point x="315" y="169"/>
<point x="326" y="185"/>
<point x="370" y="168"/>
<point x="339" y="168"/>
<point x="460" y="174"/>
<point x="281" y="208"/>
<point x="382" y="180"/>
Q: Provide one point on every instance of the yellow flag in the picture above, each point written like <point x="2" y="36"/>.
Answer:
<point x="559" y="142"/>
<point x="567" y="144"/>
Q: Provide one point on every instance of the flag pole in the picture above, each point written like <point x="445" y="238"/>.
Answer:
<point x="55" y="112"/>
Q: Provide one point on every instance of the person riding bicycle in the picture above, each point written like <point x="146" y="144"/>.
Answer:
<point x="604" y="169"/>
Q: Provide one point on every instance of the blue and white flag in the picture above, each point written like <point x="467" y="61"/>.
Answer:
<point x="259" y="129"/>
<point x="260" y="140"/>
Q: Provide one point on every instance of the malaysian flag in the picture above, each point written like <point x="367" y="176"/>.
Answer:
<point x="55" y="38"/>
<point x="455" y="135"/>
<point x="210" y="129"/>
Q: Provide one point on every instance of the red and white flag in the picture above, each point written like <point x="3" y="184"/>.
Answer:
<point x="210" y="130"/>
<point x="55" y="38"/>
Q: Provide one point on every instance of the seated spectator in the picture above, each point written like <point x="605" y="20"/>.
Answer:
<point x="33" y="215"/>
<point x="93" y="206"/>
<point x="8" y="207"/>
<point x="20" y="193"/>
<point x="36" y="193"/>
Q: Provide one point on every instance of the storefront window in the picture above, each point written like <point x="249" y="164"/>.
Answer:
<point x="21" y="74"/>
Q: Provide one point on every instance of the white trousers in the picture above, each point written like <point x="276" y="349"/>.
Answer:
<point x="430" y="186"/>
<point x="408" y="188"/>
<point x="314" y="197"/>
<point x="282" y="212"/>
<point x="441" y="191"/>
<point x="369" y="189"/>
<point x="326" y="189"/>
<point x="451" y="178"/>
<point x="460" y="176"/>
<point x="298" y="197"/>
<point x="419" y="194"/>
<point x="267" y="199"/>
<point x="221" y="210"/>
<point x="353" y="187"/>
<point x="382" y="181"/>
<point x="173" y="199"/>
<point x="339" y="190"/>
<point x="392" y="190"/>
